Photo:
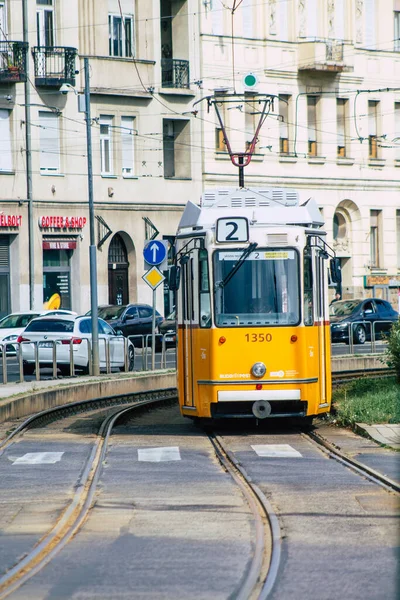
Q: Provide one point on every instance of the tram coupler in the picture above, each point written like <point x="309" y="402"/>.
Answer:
<point x="261" y="409"/>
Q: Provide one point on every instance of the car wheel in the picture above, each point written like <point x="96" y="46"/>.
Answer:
<point x="28" y="368"/>
<point x="85" y="370"/>
<point x="359" y="335"/>
<point x="131" y="360"/>
<point x="65" y="370"/>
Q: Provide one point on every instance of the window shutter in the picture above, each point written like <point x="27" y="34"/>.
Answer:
<point x="49" y="142"/>
<point x="217" y="17"/>
<point x="5" y="141"/>
<point x="339" y="20"/>
<point x="4" y="252"/>
<point x="312" y="19"/>
<point x="247" y="11"/>
<point x="127" y="145"/>
<point x="369" y="8"/>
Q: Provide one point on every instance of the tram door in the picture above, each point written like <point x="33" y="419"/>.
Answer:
<point x="188" y="322"/>
<point x="321" y="319"/>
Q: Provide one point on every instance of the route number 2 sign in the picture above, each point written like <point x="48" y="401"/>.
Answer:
<point x="232" y="229"/>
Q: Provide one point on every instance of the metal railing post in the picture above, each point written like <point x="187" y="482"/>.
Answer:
<point x="37" y="368"/>
<point x="54" y="353"/>
<point x="107" y="352"/>
<point x="71" y="359"/>
<point x="4" y="361"/>
<point x="20" y="363"/>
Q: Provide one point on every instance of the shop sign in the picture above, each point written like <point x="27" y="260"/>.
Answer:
<point x="62" y="222"/>
<point x="370" y="281"/>
<point x="59" y="244"/>
<point x="10" y="220"/>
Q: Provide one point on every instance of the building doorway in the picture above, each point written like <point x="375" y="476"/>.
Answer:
<point x="118" y="266"/>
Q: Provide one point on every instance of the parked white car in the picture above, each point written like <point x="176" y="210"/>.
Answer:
<point x="61" y="330"/>
<point x="14" y="324"/>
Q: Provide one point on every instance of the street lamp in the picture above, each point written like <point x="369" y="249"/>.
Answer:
<point x="92" y="248"/>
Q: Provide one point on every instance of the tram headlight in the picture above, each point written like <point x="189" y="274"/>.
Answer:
<point x="258" y="369"/>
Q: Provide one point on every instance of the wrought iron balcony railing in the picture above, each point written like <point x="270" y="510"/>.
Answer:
<point x="175" y="73"/>
<point x="54" y="65"/>
<point x="13" y="61"/>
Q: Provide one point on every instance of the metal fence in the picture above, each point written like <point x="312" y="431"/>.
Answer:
<point x="371" y="333"/>
<point x="144" y="358"/>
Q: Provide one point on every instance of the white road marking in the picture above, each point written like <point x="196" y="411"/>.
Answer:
<point x="39" y="458"/>
<point x="159" y="454"/>
<point x="276" y="451"/>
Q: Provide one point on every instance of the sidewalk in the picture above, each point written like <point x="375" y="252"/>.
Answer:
<point x="389" y="435"/>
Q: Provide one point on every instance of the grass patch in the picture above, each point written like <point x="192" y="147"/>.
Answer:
<point x="367" y="401"/>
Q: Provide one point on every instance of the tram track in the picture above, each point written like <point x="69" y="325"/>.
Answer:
<point x="263" y="571"/>
<point x="78" y="509"/>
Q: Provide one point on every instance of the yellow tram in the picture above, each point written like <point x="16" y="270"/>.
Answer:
<point x="252" y="313"/>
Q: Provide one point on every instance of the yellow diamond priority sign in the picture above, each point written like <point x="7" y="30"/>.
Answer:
<point x="153" y="278"/>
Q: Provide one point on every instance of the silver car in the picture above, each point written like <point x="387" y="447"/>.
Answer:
<point x="60" y="331"/>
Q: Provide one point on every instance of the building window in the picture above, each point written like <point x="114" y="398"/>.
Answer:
<point x="312" y="102"/>
<point x="106" y="145"/>
<point x="220" y="145"/>
<point x="312" y="18"/>
<point x="284" y="124"/>
<point x="398" y="237"/>
<point x="49" y="142"/>
<point x="5" y="141"/>
<point x="56" y="279"/>
<point x="373" y="128"/>
<point x="375" y="237"/>
<point x="397" y="129"/>
<point x="370" y="24"/>
<point x="45" y="22"/>
<point x="217" y="17"/>
<point x="283" y="21"/>
<point x="247" y="12"/>
<point x="127" y="146"/>
<point x="340" y="19"/>
<point x="396" y="38"/>
<point x="120" y="35"/>
<point x="250" y="114"/>
<point x="341" y="126"/>
<point x="176" y="148"/>
<point x="339" y="227"/>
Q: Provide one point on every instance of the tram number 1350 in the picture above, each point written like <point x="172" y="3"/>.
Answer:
<point x="258" y="337"/>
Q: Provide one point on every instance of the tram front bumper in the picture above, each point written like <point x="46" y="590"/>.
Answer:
<point x="242" y="404"/>
<point x="254" y="395"/>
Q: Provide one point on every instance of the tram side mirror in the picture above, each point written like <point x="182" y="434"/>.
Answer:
<point x="174" y="278"/>
<point x="335" y="271"/>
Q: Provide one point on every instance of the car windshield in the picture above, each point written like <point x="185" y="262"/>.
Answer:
<point x="110" y="313"/>
<point x="51" y="325"/>
<point x="13" y="321"/>
<point x="343" y="308"/>
<point x="264" y="291"/>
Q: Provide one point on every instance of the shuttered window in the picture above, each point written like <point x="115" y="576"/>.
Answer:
<point x="312" y="18"/>
<point x="247" y="11"/>
<point x="49" y="142"/>
<point x="5" y="141"/>
<point x="217" y="17"/>
<point x="127" y="146"/>
<point x="4" y="253"/>
<point x="369" y="12"/>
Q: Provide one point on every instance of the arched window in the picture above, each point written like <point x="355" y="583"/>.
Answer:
<point x="339" y="227"/>
<point x="117" y="253"/>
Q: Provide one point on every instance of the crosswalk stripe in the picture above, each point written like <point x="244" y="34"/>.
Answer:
<point x="159" y="454"/>
<point x="38" y="458"/>
<point x="276" y="451"/>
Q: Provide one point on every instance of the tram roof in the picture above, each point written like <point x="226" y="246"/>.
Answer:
<point x="272" y="206"/>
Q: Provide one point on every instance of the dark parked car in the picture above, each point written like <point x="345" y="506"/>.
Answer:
<point x="168" y="329"/>
<point x="364" y="315"/>
<point x="130" y="319"/>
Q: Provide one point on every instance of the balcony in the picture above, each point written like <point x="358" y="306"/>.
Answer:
<point x="175" y="73"/>
<point x="13" y="61"/>
<point x="331" y="56"/>
<point x="54" y="65"/>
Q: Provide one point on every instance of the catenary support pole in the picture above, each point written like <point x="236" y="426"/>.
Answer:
<point x="28" y="150"/>
<point x="92" y="247"/>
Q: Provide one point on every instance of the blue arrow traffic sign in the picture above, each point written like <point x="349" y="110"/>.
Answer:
<point x="154" y="252"/>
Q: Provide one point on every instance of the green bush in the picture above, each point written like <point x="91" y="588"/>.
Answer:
<point x="392" y="354"/>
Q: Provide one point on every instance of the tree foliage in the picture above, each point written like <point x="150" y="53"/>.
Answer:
<point x="392" y="354"/>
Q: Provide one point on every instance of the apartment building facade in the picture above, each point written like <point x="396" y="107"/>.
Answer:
<point x="333" y="132"/>
<point x="332" y="68"/>
<point x="141" y="66"/>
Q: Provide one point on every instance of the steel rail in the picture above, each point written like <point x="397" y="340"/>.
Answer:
<point x="253" y="585"/>
<point x="333" y="452"/>
<point x="75" y="513"/>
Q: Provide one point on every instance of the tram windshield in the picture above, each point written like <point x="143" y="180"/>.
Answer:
<point x="264" y="290"/>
